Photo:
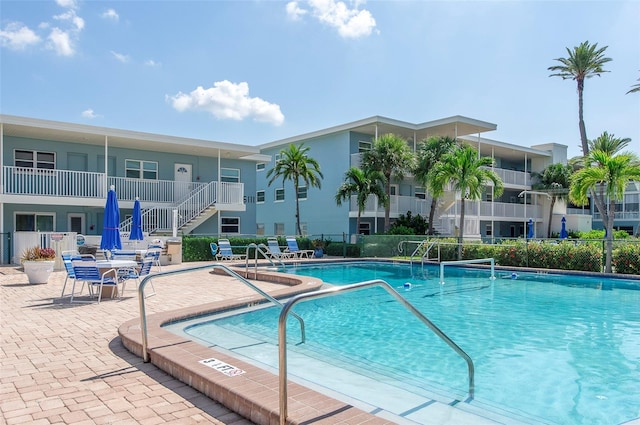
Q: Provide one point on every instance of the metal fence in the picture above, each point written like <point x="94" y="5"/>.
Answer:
<point x="574" y="254"/>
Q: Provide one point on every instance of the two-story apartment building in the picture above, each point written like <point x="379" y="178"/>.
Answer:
<point x="55" y="177"/>
<point x="338" y="148"/>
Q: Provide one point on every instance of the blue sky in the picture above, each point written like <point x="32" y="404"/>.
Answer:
<point x="252" y="72"/>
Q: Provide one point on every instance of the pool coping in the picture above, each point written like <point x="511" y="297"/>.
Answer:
<point x="253" y="394"/>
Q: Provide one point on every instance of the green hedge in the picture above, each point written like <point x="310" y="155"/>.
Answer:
<point x="626" y="259"/>
<point x="337" y="249"/>
<point x="197" y="248"/>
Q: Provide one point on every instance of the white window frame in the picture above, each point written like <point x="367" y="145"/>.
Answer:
<point x="36" y="163"/>
<point x="420" y="193"/>
<point x="364" y="146"/>
<point x="260" y="229"/>
<point x="224" y="227"/>
<point x="35" y="220"/>
<point x="278" y="229"/>
<point x="277" y="157"/>
<point x="258" y="193"/>
<point x="302" y="190"/>
<point x="276" y="192"/>
<point x="142" y="171"/>
<point x="232" y="175"/>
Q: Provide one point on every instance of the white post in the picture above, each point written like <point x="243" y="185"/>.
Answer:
<point x="175" y="223"/>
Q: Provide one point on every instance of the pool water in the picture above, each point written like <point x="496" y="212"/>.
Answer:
<point x="548" y="348"/>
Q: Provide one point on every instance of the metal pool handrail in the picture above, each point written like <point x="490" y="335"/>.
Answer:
<point x="148" y="278"/>
<point x="478" y="260"/>
<point x="282" y="332"/>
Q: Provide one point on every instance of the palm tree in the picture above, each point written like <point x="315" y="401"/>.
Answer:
<point x="430" y="152"/>
<point x="465" y="170"/>
<point x="635" y="88"/>
<point x="604" y="177"/>
<point x="362" y="182"/>
<point x="390" y="154"/>
<point x="583" y="62"/>
<point x="297" y="166"/>
<point x="554" y="179"/>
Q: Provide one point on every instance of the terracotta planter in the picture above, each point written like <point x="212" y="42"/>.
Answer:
<point x="38" y="271"/>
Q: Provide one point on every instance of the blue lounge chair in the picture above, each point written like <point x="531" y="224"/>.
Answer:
<point x="275" y="251"/>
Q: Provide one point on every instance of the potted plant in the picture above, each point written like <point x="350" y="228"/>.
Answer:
<point x="38" y="263"/>
<point x="318" y="248"/>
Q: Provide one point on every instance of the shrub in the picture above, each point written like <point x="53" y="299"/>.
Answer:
<point x="626" y="259"/>
<point x="337" y="249"/>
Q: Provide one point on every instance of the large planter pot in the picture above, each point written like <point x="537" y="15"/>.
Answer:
<point x="38" y="271"/>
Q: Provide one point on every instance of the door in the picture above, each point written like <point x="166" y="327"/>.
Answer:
<point x="182" y="181"/>
<point x="76" y="223"/>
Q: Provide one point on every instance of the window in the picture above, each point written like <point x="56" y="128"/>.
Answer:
<point x="303" y="228"/>
<point x="260" y="166"/>
<point x="259" y="228"/>
<point x="34" y="222"/>
<point x="365" y="228"/>
<point x="488" y="229"/>
<point x="279" y="195"/>
<point x="136" y="169"/>
<point x="230" y="225"/>
<point x="230" y="175"/>
<point x="364" y="146"/>
<point x="302" y="192"/>
<point x="34" y="159"/>
<point x="277" y="157"/>
<point x="278" y="228"/>
<point x="420" y="193"/>
<point x="260" y="196"/>
<point x="489" y="196"/>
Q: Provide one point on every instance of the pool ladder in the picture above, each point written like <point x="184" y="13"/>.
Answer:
<point x="282" y="333"/>
<point x="421" y="244"/>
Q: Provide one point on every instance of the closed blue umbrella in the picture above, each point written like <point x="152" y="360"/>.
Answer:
<point x="111" y="225"/>
<point x="563" y="231"/>
<point x="136" y="222"/>
<point x="530" y="234"/>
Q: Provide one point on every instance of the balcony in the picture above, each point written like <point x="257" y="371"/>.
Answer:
<point x="19" y="183"/>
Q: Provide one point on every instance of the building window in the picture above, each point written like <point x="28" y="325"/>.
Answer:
<point x="259" y="228"/>
<point x="488" y="230"/>
<point x="302" y="192"/>
<point x="489" y="196"/>
<point x="260" y="166"/>
<point x="365" y="228"/>
<point x="230" y="225"/>
<point x="135" y="169"/>
<point x="364" y="146"/>
<point x="420" y="193"/>
<point x="34" y="222"/>
<point x="34" y="159"/>
<point x="279" y="195"/>
<point x="304" y="228"/>
<point x="277" y="157"/>
<point x="278" y="228"/>
<point x="230" y="175"/>
<point x="260" y="196"/>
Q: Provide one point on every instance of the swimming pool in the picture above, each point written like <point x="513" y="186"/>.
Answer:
<point x="547" y="348"/>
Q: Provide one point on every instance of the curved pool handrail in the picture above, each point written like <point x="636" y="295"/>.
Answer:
<point x="282" y="332"/>
<point x="148" y="278"/>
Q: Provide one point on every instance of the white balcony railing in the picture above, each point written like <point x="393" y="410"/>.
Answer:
<point x="512" y="177"/>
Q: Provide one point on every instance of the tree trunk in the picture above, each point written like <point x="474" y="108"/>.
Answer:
<point x="553" y="202"/>
<point x="298" y="230"/>
<point x="432" y="213"/>
<point x="387" y="207"/>
<point x="358" y="223"/>
<point x="461" y="232"/>
<point x="583" y="130"/>
<point x="609" y="226"/>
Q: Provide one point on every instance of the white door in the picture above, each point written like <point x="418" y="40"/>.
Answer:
<point x="182" y="179"/>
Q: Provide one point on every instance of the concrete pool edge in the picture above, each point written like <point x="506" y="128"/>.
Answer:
<point x="254" y="394"/>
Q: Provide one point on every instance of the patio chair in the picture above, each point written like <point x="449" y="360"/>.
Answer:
<point x="292" y="247"/>
<point x="123" y="255"/>
<point x="67" y="256"/>
<point x="136" y="274"/>
<point x="87" y="271"/>
<point x="154" y="253"/>
<point x="225" y="252"/>
<point x="275" y="251"/>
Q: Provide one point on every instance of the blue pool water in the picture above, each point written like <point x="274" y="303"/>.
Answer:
<point x="548" y="348"/>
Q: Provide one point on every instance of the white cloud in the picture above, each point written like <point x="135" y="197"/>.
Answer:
<point x="119" y="56"/>
<point x="60" y="42"/>
<point x="294" y="11"/>
<point x="16" y="36"/>
<point x="70" y="15"/>
<point x="152" y="63"/>
<point x="350" y="22"/>
<point x="111" y="14"/>
<point x="226" y="100"/>
<point x="89" y="114"/>
<point x="67" y="4"/>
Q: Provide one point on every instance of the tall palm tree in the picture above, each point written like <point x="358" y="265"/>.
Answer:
<point x="609" y="143"/>
<point x="584" y="61"/>
<point x="604" y="177"/>
<point x="555" y="180"/>
<point x="430" y="152"/>
<point x="297" y="166"/>
<point x="362" y="182"/>
<point x="635" y="88"/>
<point x="391" y="155"/>
<point x="465" y="170"/>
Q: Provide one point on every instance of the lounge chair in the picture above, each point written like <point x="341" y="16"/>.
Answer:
<point x="225" y="252"/>
<point x="136" y="274"/>
<point x="275" y="251"/>
<point x="292" y="247"/>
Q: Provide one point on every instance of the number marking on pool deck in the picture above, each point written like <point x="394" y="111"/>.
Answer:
<point x="222" y="367"/>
